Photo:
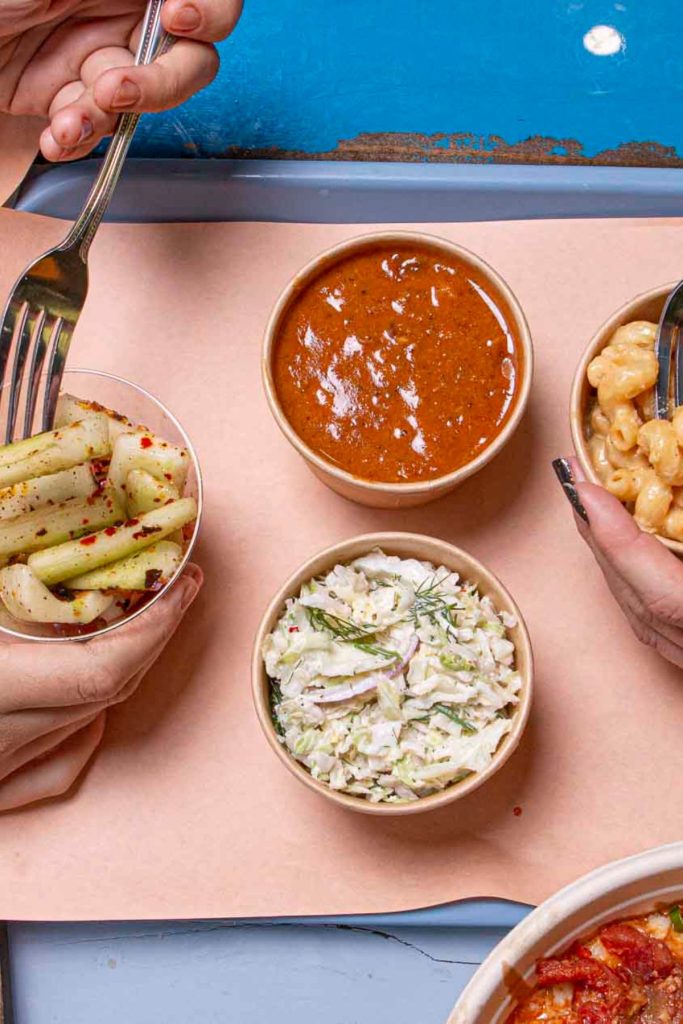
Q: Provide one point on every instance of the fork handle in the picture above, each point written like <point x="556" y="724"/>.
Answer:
<point x="153" y="42"/>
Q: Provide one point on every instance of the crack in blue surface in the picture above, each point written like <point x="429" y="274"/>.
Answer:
<point x="222" y="926"/>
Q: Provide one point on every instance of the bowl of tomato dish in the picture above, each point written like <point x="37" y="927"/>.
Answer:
<point x="608" y="949"/>
<point x="397" y="364"/>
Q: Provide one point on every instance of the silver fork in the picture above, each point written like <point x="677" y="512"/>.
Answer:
<point x="46" y="302"/>
<point x="668" y="350"/>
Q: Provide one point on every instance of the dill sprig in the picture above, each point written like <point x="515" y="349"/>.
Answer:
<point x="348" y="632"/>
<point x="431" y="603"/>
<point x="466" y="726"/>
<point x="275" y="699"/>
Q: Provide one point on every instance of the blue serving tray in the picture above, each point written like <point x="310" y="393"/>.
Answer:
<point x="382" y="967"/>
<point x="329" y="192"/>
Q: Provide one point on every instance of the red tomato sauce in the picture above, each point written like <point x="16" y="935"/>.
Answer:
<point x="625" y="974"/>
<point x="397" y="363"/>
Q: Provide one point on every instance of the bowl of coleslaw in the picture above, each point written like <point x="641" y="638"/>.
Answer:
<point x="392" y="673"/>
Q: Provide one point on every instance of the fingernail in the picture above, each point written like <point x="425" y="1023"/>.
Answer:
<point x="86" y="131"/>
<point x="194" y="572"/>
<point x="189" y="592"/>
<point x="564" y="474"/>
<point x="127" y="95"/>
<point x="187" y="19"/>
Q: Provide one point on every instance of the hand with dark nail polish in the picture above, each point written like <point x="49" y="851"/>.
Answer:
<point x="644" y="577"/>
<point x="563" y="471"/>
<point x="72" y="63"/>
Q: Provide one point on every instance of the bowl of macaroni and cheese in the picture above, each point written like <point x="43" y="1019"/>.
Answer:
<point x="618" y="441"/>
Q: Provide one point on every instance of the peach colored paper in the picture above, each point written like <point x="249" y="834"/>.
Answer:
<point x="18" y="145"/>
<point x="185" y="812"/>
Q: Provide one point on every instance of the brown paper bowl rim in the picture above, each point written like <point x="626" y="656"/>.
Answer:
<point x="429" y="549"/>
<point x="638" y="884"/>
<point x="374" y="487"/>
<point x="581" y="389"/>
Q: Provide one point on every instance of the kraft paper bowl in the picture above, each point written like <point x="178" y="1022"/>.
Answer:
<point x="139" y="406"/>
<point x="405" y="545"/>
<point x="647" y="306"/>
<point x="375" y="493"/>
<point x="638" y="884"/>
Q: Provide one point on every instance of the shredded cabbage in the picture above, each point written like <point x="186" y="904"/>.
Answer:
<point x="392" y="679"/>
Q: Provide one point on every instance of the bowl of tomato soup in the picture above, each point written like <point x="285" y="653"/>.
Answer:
<point x="397" y="364"/>
<point x="606" y="949"/>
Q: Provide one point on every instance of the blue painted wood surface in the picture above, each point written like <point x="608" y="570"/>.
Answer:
<point x="438" y="79"/>
<point x="242" y="972"/>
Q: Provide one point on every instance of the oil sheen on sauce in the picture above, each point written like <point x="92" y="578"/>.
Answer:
<point x="397" y="363"/>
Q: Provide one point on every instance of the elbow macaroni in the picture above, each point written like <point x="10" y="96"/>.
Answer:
<point x="637" y="458"/>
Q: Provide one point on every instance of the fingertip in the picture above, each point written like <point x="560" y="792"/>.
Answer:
<point x="183" y="18"/>
<point x="55" y="153"/>
<point x="71" y="129"/>
<point x="189" y="588"/>
<point x="183" y="592"/>
<point x="563" y="471"/>
<point x="576" y="468"/>
<point x="49" y="146"/>
<point x="113" y="83"/>
<point x="194" y="572"/>
<point x="205" y="20"/>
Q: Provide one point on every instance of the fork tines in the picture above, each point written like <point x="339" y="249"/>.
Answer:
<point x="668" y="351"/>
<point x="28" y="335"/>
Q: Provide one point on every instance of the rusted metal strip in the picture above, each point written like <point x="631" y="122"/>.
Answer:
<point x="413" y="147"/>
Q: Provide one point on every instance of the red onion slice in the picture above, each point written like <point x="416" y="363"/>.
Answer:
<point x="337" y="693"/>
<point x="396" y="670"/>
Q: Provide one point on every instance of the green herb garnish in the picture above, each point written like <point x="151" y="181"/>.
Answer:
<point x="275" y="699"/>
<point x="466" y="726"/>
<point x="676" y="918"/>
<point x="432" y="605"/>
<point x="348" y="632"/>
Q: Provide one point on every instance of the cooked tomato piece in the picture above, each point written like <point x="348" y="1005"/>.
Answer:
<point x="577" y="971"/>
<point x="643" y="955"/>
<point x="599" y="994"/>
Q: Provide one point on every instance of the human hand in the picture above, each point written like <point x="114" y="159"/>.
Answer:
<point x="645" y="578"/>
<point x="53" y="697"/>
<point x="71" y="61"/>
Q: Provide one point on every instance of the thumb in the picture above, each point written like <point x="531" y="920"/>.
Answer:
<point x="642" y="561"/>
